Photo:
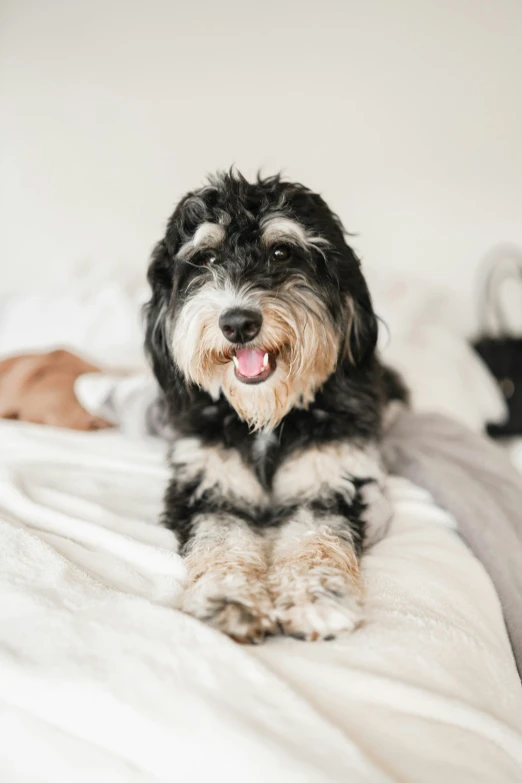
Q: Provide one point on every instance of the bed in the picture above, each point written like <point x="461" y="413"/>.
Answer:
<point x="101" y="678"/>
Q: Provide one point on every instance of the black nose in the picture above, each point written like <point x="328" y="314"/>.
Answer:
<point x="240" y="325"/>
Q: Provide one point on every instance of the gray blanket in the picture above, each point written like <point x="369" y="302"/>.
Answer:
<point x="473" y="479"/>
<point x="467" y="474"/>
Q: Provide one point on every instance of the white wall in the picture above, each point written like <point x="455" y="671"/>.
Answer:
<point x="406" y="114"/>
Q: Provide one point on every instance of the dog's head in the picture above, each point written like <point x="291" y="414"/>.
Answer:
<point x="255" y="293"/>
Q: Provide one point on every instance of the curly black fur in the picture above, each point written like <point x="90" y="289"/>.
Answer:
<point x="350" y="403"/>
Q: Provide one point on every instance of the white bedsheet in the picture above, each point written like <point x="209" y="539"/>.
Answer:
<point x="101" y="679"/>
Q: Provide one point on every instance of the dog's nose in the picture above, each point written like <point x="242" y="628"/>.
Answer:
<point x="240" y="325"/>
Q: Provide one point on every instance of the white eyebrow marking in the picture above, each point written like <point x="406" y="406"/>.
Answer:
<point x="278" y="228"/>
<point x="206" y="235"/>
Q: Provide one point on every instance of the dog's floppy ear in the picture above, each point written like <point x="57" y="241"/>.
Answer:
<point x="362" y="326"/>
<point x="362" y="332"/>
<point x="160" y="276"/>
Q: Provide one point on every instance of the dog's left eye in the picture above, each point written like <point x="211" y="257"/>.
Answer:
<point x="280" y="253"/>
<point x="207" y="257"/>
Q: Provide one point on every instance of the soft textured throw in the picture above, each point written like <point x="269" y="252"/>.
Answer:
<point x="472" y="478"/>
<point x="466" y="474"/>
<point x="101" y="679"/>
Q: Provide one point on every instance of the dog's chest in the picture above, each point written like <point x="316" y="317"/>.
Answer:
<point x="264" y="456"/>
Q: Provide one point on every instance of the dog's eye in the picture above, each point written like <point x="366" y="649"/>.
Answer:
<point x="207" y="257"/>
<point x="280" y="253"/>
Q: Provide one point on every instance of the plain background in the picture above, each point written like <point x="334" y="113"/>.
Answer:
<point x="405" y="114"/>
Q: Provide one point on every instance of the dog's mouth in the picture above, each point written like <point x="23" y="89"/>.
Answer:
<point x="253" y="365"/>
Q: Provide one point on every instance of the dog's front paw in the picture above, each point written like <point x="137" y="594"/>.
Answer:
<point x="318" y="604"/>
<point x="243" y="612"/>
<point x="322" y="617"/>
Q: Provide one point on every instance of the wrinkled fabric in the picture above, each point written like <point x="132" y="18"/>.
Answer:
<point x="466" y="473"/>
<point x="474" y="480"/>
<point x="101" y="678"/>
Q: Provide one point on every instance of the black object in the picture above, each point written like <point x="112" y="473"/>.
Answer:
<point x="503" y="356"/>
<point x="500" y="349"/>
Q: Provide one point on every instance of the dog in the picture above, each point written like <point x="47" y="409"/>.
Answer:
<point x="262" y="335"/>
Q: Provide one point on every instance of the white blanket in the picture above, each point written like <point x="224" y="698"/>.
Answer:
<point x="102" y="680"/>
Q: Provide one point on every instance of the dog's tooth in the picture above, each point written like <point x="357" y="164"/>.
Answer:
<point x="234" y="359"/>
<point x="265" y="360"/>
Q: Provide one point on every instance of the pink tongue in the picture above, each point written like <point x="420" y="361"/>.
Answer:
<point x="250" y="361"/>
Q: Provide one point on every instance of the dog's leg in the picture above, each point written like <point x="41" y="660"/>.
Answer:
<point x="324" y="493"/>
<point x="211" y="504"/>
<point x="227" y="572"/>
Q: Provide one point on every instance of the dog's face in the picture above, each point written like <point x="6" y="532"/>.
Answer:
<point x="257" y="295"/>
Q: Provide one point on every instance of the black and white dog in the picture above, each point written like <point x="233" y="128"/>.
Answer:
<point x="262" y="336"/>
